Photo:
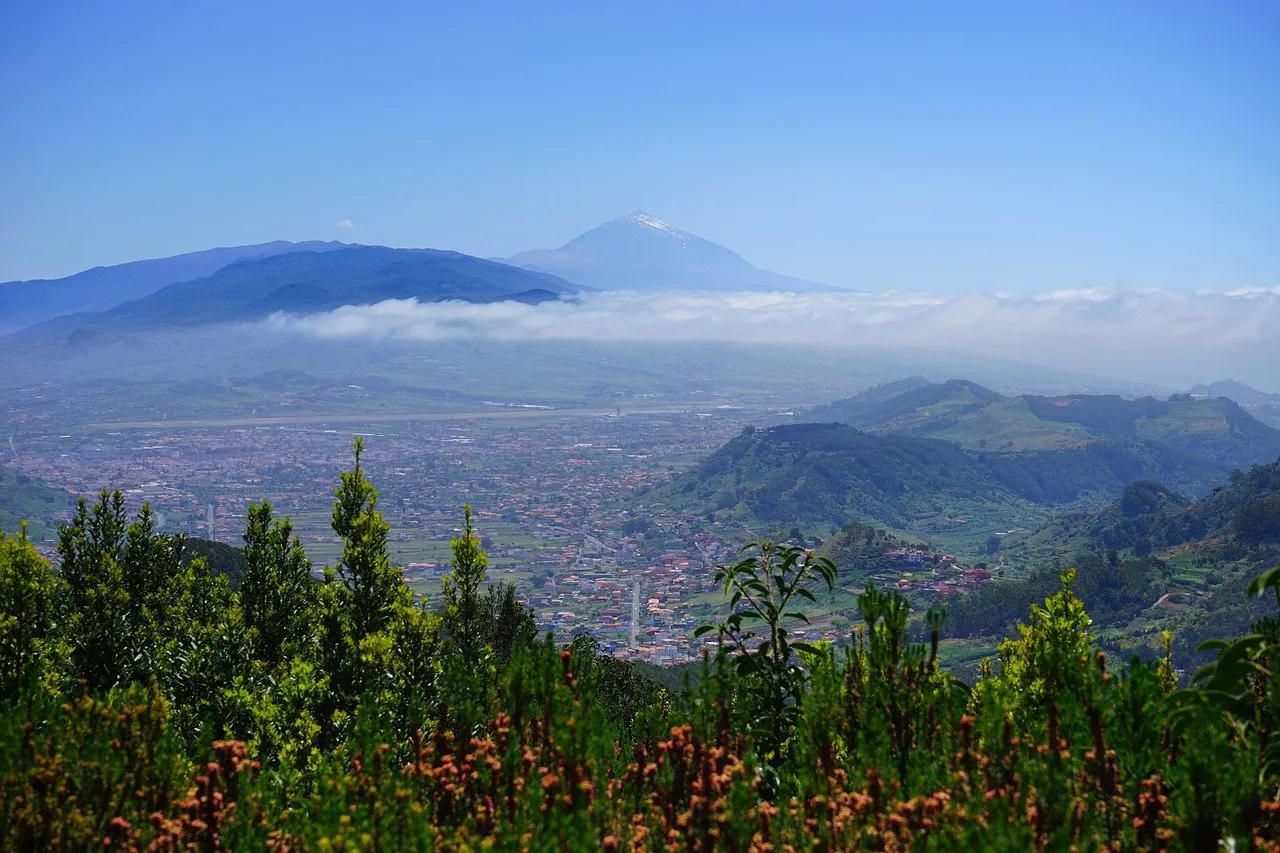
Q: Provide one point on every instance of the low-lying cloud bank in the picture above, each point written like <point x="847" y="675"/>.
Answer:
<point x="1156" y="335"/>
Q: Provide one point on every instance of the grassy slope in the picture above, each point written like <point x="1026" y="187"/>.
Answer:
<point x="1009" y="425"/>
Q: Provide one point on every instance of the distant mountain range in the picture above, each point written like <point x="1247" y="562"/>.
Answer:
<point x="1215" y="430"/>
<point x="1238" y="391"/>
<point x="641" y="252"/>
<point x="23" y="303"/>
<point x="636" y="252"/>
<point x="308" y="282"/>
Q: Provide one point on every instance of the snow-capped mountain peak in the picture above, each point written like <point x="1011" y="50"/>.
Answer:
<point x="643" y="221"/>
<point x="648" y="220"/>
<point x="641" y="252"/>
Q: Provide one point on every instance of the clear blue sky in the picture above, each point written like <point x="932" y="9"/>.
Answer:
<point x="946" y="146"/>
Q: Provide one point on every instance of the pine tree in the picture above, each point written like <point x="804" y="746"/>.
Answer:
<point x="461" y="590"/>
<point x="278" y="593"/>
<point x="371" y="582"/>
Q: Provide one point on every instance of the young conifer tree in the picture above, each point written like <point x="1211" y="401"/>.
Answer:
<point x="372" y="584"/>
<point x="461" y="590"/>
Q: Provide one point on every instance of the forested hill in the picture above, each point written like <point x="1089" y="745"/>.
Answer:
<point x="861" y="550"/>
<point x="1151" y="559"/>
<point x="1214" y="430"/>
<point x="1149" y="517"/>
<point x="820" y="476"/>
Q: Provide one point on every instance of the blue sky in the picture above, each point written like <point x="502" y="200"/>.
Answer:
<point x="944" y="147"/>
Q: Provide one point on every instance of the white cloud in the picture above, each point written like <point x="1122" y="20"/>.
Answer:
<point x="1153" y="334"/>
<point x="346" y="223"/>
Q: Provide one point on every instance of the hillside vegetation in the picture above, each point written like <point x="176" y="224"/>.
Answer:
<point x="1214" y="431"/>
<point x="819" y="476"/>
<point x="1151" y="560"/>
<point x="145" y="702"/>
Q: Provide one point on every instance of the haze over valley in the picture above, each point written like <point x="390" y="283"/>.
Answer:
<point x="620" y="411"/>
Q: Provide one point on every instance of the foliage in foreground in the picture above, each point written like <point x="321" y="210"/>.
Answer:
<point x="148" y="704"/>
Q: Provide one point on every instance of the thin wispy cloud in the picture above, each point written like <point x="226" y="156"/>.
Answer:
<point x="346" y="223"/>
<point x="1155" y="334"/>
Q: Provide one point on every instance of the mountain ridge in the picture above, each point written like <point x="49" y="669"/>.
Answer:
<point x="24" y="303"/>
<point x="309" y="282"/>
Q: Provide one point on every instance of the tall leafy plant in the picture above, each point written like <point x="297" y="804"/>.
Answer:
<point x="763" y="588"/>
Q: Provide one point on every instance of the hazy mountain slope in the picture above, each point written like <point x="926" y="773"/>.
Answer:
<point x="308" y="282"/>
<point x="1239" y="391"/>
<point x="917" y="408"/>
<point x="856" y="409"/>
<point x="641" y="252"/>
<point x="1263" y="406"/>
<point x="23" y="303"/>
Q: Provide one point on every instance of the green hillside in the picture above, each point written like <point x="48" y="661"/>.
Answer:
<point x="25" y="498"/>
<point x="819" y="476"/>
<point x="1150" y="561"/>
